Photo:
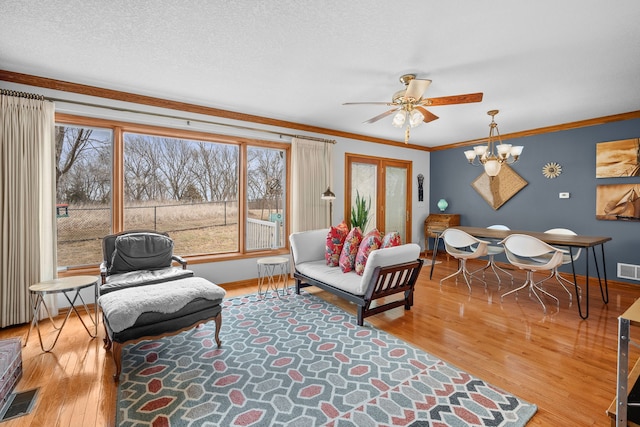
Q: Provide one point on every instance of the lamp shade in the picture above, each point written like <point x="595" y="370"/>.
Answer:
<point x="442" y="205"/>
<point x="492" y="167"/>
<point x="328" y="195"/>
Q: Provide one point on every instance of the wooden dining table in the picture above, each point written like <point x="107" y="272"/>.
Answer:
<point x="570" y="241"/>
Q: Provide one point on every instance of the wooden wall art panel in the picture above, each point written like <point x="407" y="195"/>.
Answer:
<point x="498" y="190"/>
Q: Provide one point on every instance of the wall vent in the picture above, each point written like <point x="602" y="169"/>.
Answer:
<point x="628" y="271"/>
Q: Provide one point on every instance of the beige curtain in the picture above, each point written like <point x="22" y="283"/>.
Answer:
<point x="311" y="168"/>
<point x="27" y="201"/>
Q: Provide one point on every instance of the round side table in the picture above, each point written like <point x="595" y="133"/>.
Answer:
<point x="272" y="271"/>
<point x="63" y="285"/>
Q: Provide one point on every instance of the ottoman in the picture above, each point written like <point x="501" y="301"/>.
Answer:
<point x="10" y="367"/>
<point x="161" y="309"/>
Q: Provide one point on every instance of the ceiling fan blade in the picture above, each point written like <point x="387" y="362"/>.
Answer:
<point x="381" y="116"/>
<point x="454" y="99"/>
<point x="368" y="103"/>
<point x="416" y="88"/>
<point x="428" y="115"/>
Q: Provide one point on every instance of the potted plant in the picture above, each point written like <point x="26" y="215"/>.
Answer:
<point x="360" y="212"/>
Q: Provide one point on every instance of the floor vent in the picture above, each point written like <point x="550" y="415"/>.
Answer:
<point x="19" y="404"/>
<point x="628" y="271"/>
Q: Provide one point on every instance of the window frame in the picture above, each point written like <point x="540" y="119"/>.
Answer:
<point x="119" y="127"/>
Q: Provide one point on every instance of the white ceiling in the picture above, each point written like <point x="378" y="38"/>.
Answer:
<point x="541" y="63"/>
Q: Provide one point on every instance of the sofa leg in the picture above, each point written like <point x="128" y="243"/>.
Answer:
<point x="298" y="283"/>
<point x="360" y="315"/>
<point x="218" y="321"/>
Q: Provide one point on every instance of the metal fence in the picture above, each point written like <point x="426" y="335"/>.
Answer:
<point x="209" y="227"/>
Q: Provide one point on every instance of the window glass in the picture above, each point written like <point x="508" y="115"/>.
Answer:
<point x="83" y="193"/>
<point x="266" y="184"/>
<point x="186" y="188"/>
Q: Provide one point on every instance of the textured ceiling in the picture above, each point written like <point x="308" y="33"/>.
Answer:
<point x="540" y="63"/>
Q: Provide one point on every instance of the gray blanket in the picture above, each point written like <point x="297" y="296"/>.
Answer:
<point x="123" y="307"/>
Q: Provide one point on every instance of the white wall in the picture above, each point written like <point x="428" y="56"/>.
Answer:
<point x="237" y="270"/>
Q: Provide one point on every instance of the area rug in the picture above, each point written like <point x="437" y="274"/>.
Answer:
<point x="297" y="360"/>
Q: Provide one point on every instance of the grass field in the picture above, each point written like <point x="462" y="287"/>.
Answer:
<point x="195" y="228"/>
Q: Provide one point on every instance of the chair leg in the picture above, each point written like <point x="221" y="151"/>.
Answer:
<point x="559" y="279"/>
<point x="462" y="269"/>
<point x="532" y="288"/>
<point x="491" y="264"/>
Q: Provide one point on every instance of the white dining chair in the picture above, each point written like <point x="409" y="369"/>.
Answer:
<point x="567" y="258"/>
<point x="531" y="254"/>
<point x="463" y="246"/>
<point x="492" y="251"/>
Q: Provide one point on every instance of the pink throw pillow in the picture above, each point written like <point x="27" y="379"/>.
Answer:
<point x="370" y="242"/>
<point x="391" y="239"/>
<point x="335" y="241"/>
<point x="350" y="250"/>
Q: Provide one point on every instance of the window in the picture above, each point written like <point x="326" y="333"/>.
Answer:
<point x="212" y="194"/>
<point x="83" y="193"/>
<point x="186" y="188"/>
<point x="265" y="198"/>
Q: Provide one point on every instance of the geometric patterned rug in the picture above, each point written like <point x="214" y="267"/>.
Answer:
<point x="300" y="361"/>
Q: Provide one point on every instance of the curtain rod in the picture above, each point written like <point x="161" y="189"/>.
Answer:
<point x="128" y="110"/>
<point x="7" y="92"/>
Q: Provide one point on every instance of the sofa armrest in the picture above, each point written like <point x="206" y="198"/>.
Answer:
<point x="180" y="260"/>
<point x="308" y="245"/>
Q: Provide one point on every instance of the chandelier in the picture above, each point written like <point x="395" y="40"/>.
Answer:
<point x="495" y="153"/>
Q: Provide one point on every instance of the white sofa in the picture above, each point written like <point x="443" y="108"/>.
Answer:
<point x="388" y="271"/>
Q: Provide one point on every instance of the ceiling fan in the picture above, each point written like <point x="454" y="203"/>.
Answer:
<point x="408" y="104"/>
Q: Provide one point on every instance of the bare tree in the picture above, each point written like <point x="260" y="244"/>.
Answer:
<point x="80" y="154"/>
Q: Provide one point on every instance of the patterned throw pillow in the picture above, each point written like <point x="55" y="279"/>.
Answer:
<point x="335" y="241"/>
<point x="350" y="250"/>
<point x="391" y="239"/>
<point x="370" y="242"/>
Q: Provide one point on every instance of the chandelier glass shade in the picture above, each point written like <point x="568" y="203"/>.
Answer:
<point x="495" y="153"/>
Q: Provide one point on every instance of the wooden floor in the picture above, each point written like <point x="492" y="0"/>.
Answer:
<point x="565" y="365"/>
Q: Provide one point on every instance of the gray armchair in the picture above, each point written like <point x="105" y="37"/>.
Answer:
<point x="141" y="257"/>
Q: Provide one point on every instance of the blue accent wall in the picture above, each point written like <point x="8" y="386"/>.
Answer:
<point x="537" y="206"/>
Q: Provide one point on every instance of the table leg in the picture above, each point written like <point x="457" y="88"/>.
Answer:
<point x="604" y="293"/>
<point x="86" y="309"/>
<point x="435" y="252"/>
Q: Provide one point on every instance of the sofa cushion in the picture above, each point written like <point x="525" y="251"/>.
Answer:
<point x="141" y="251"/>
<point x="391" y="239"/>
<point x="370" y="242"/>
<point x="319" y="270"/>
<point x="350" y="250"/>
<point x="335" y="242"/>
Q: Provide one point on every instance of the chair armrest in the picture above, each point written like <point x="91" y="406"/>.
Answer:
<point x="103" y="272"/>
<point x="181" y="260"/>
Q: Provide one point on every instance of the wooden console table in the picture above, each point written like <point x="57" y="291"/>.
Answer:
<point x="436" y="224"/>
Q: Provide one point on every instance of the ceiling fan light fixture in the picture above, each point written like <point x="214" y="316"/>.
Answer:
<point x="399" y="119"/>
<point x="416" y="118"/>
<point x="495" y="153"/>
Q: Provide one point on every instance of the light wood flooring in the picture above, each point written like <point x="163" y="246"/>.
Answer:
<point x="565" y="365"/>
